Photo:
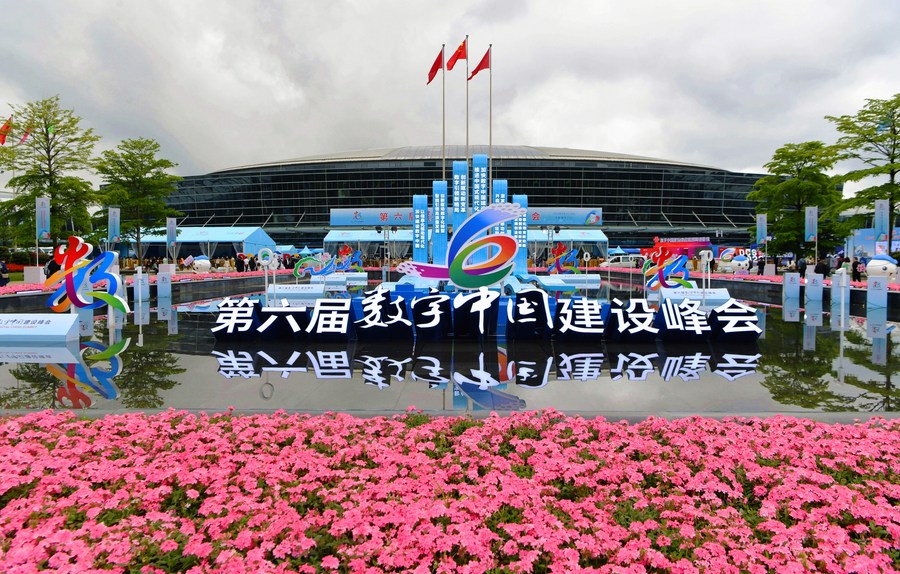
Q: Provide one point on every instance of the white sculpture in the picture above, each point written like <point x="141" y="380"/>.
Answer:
<point x="882" y="266"/>
<point x="741" y="265"/>
<point x="200" y="265"/>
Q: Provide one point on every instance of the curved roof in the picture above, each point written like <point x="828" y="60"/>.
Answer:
<point x="457" y="152"/>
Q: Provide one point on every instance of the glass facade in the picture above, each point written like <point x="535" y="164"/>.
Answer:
<point x="641" y="197"/>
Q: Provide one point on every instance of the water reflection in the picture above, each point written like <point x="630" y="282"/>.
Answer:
<point x="804" y="362"/>
<point x="95" y="371"/>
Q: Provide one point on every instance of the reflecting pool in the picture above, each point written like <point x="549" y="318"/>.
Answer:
<point x="803" y="363"/>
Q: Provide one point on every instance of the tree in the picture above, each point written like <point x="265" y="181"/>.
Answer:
<point x="136" y="180"/>
<point x="799" y="181"/>
<point x="872" y="136"/>
<point x="44" y="164"/>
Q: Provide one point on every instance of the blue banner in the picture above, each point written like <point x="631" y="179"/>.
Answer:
<point x="479" y="182"/>
<point x="761" y="228"/>
<point x="171" y="231"/>
<point x="881" y="220"/>
<point x="42" y="210"/>
<point x="439" y="236"/>
<point x="114" y="235"/>
<point x="403" y="216"/>
<point x="420" y="228"/>
<point x="500" y="194"/>
<point x="568" y="216"/>
<point x="460" y="210"/>
<point x="812" y="223"/>
<point x="520" y="233"/>
<point x="479" y="197"/>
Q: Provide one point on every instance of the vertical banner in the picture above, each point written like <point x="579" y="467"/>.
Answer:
<point x="114" y="234"/>
<point x="761" y="228"/>
<point x="876" y="292"/>
<point x="171" y="237"/>
<point x="520" y="233"/>
<point x="500" y="194"/>
<point x="164" y="287"/>
<point x="460" y="209"/>
<point x="791" y="286"/>
<point x="439" y="235"/>
<point x="814" y="284"/>
<point x="882" y="227"/>
<point x="42" y="214"/>
<point x="479" y="182"/>
<point x="420" y="228"/>
<point x="812" y="223"/>
<point x="479" y="197"/>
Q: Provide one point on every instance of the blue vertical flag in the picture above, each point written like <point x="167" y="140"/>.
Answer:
<point x="761" y="225"/>
<point x="420" y="228"/>
<point x="460" y="209"/>
<point x="439" y="235"/>
<point x="881" y="220"/>
<point x="171" y="236"/>
<point x="812" y="223"/>
<point x="42" y="211"/>
<point x="479" y="196"/>
<point x="500" y="194"/>
<point x="114" y="235"/>
<point x="882" y="227"/>
<point x="520" y="233"/>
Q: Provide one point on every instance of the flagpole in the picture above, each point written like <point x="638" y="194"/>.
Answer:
<point x="467" y="101"/>
<point x="443" y="116"/>
<point x="490" y="123"/>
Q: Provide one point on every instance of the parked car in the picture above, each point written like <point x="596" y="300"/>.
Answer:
<point x="632" y="261"/>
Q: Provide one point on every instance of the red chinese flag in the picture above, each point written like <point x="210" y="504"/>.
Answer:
<point x="459" y="54"/>
<point x="484" y="64"/>
<point x="5" y="130"/>
<point x="437" y="65"/>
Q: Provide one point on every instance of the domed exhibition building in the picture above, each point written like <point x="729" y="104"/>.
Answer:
<point x="640" y="197"/>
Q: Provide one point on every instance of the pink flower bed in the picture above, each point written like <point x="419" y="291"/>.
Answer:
<point x="524" y="493"/>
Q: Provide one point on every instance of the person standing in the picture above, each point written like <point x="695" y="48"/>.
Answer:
<point x="856" y="270"/>
<point x="801" y="266"/>
<point x="4" y="273"/>
<point x="239" y="264"/>
<point x="760" y="265"/>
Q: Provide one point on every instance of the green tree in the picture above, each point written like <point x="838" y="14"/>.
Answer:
<point x="872" y="137"/>
<point x="136" y="180"/>
<point x="799" y="181"/>
<point x="46" y="163"/>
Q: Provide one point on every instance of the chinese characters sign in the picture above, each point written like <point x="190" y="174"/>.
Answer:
<point x="382" y="315"/>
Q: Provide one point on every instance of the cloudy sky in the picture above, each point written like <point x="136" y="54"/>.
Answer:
<point x="227" y="83"/>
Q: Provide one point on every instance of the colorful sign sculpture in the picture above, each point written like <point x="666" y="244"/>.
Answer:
<point x="662" y="266"/>
<point x="563" y="261"/>
<point x="466" y="240"/>
<point x="77" y="273"/>
<point x="345" y="260"/>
